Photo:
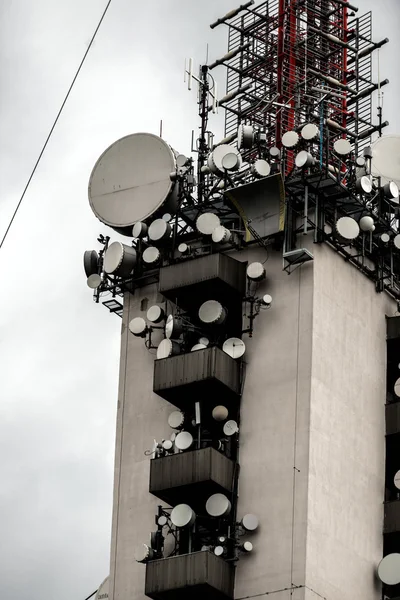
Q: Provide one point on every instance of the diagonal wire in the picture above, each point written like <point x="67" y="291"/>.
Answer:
<point x="56" y="121"/>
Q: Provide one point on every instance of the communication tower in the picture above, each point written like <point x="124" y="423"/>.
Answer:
<point x="258" y="289"/>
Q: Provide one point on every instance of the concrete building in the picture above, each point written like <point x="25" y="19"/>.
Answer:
<point x="288" y="241"/>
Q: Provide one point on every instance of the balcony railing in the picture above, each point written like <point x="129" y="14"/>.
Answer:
<point x="196" y="576"/>
<point x="191" y="477"/>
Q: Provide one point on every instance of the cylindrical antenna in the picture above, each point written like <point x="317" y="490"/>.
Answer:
<point x="231" y="14"/>
<point x="190" y="73"/>
<point x="230" y="55"/>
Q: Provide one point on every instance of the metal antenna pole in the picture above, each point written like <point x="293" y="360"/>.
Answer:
<point x="202" y="142"/>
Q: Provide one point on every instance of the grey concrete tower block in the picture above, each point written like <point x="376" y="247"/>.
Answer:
<point x="312" y="437"/>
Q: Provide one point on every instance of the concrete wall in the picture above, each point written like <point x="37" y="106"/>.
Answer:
<point x="274" y="433"/>
<point x="347" y="433"/>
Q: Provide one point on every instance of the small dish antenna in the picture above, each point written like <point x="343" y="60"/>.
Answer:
<point x="93" y="281"/>
<point x="255" y="271"/>
<point x="220" y="413"/>
<point x="151" y="255"/>
<point x="385" y="238"/>
<point x="131" y="181"/>
<point x="230" y="428"/>
<point x="397" y="480"/>
<point x="167" y="348"/>
<point x="176" y="419"/>
<point x="119" y="259"/>
<point x="230" y="161"/>
<point x="204" y="340"/>
<point x="221" y="235"/>
<point x="90" y="262"/>
<point x="367" y="223"/>
<point x="219" y="551"/>
<point x="397" y="387"/>
<point x="167" y="445"/>
<point x="181" y="161"/>
<point x="245" y="137"/>
<point x="183" y="516"/>
<point x="347" y="229"/>
<point x="138" y="327"/>
<point x="198" y="347"/>
<point x="247" y="547"/>
<point x="159" y="230"/>
<point x="216" y="157"/>
<point x="234" y="347"/>
<point x="184" y="440"/>
<point x="389" y="569"/>
<point x="143" y="553"/>
<point x="250" y="522"/>
<point x="391" y="190"/>
<point x="155" y="314"/>
<point x="173" y="327"/>
<point x="162" y="521"/>
<point x="304" y="160"/>
<point x="342" y="147"/>
<point x="212" y="312"/>
<point x="364" y="185"/>
<point x="218" y="505"/>
<point x="207" y="222"/>
<point x="274" y="152"/>
<point x="310" y="132"/>
<point x="139" y="230"/>
<point x="266" y="300"/>
<point x="260" y="168"/>
<point x="396" y="243"/>
<point x="290" y="139"/>
<point x="183" y="248"/>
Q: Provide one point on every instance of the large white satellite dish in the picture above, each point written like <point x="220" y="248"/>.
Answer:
<point x="131" y="181"/>
<point x="386" y="158"/>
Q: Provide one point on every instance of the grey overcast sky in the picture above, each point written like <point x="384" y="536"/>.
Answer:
<point x="59" y="352"/>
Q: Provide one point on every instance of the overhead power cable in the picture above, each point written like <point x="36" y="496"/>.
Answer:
<point x="56" y="121"/>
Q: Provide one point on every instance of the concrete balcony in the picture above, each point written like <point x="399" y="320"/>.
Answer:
<point x="191" y="477"/>
<point x="202" y="375"/>
<point x="214" y="276"/>
<point x="196" y="576"/>
<point x="391" y="523"/>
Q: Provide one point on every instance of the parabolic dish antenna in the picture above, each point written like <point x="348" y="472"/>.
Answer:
<point x="235" y="347"/>
<point x="247" y="547"/>
<point x="342" y="147"/>
<point x="396" y="243"/>
<point x="155" y="314"/>
<point x="90" y="262"/>
<point x="212" y="312"/>
<point x="219" y="550"/>
<point x="102" y="592"/>
<point x="220" y="413"/>
<point x="183" y="440"/>
<point x="159" y="230"/>
<point x="274" y="152"/>
<point x="119" y="259"/>
<point x="389" y="569"/>
<point x="139" y="230"/>
<point x="131" y="181"/>
<point x="167" y="348"/>
<point x="245" y="136"/>
<point x="204" y="340"/>
<point x="142" y="553"/>
<point x="230" y="428"/>
<point x="261" y="168"/>
<point x="347" y="228"/>
<point x="138" y="326"/>
<point x="386" y="158"/>
<point x="397" y="387"/>
<point x="167" y="445"/>
<point x="93" y="281"/>
<point x="367" y="223"/>
<point x="230" y="161"/>
<point x="151" y="255"/>
<point x="290" y="139"/>
<point x="207" y="222"/>
<point x="198" y="347"/>
<point x="310" y="132"/>
<point x="221" y="235"/>
<point x="250" y="522"/>
<point x="176" y="419"/>
<point x="182" y="516"/>
<point x="173" y="327"/>
<point x="397" y="480"/>
<point x="218" y="505"/>
<point x="255" y="271"/>
<point x="162" y="521"/>
<point x="214" y="162"/>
